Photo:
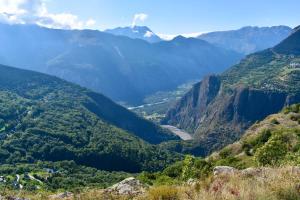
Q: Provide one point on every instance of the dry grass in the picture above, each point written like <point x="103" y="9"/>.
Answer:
<point x="272" y="184"/>
<point x="276" y="184"/>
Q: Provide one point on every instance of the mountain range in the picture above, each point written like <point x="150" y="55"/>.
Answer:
<point x="136" y="32"/>
<point x="56" y="135"/>
<point x="220" y="108"/>
<point x="248" y="39"/>
<point x="124" y="69"/>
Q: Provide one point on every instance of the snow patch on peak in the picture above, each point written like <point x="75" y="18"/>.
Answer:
<point x="149" y="34"/>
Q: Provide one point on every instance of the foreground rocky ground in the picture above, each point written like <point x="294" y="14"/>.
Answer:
<point x="224" y="183"/>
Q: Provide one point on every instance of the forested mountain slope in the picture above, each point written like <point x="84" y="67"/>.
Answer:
<point x="48" y="119"/>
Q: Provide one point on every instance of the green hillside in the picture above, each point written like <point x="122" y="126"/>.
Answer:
<point x="273" y="142"/>
<point x="266" y="70"/>
<point x="43" y="118"/>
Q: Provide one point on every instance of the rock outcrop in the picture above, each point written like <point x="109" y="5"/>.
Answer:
<point x="217" y="117"/>
<point x="253" y="172"/>
<point x="220" y="108"/>
<point x="129" y="186"/>
<point x="224" y="170"/>
<point x="191" y="108"/>
<point x="64" y="195"/>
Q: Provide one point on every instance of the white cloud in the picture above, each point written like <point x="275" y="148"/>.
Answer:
<point x="139" y="17"/>
<point x="35" y="12"/>
<point x="172" y="36"/>
<point x="90" y="22"/>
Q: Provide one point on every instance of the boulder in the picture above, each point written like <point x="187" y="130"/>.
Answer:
<point x="295" y="170"/>
<point x="129" y="186"/>
<point x="191" y="182"/>
<point x="252" y="171"/>
<point x="224" y="170"/>
<point x="64" y="195"/>
<point x="14" y="198"/>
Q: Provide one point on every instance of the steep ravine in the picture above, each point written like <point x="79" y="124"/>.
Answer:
<point x="218" y="117"/>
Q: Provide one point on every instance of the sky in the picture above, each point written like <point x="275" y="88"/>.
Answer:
<point x="165" y="17"/>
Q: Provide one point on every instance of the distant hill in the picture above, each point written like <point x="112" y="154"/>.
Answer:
<point x="119" y="67"/>
<point x="221" y="107"/>
<point x="43" y="118"/>
<point x="136" y="32"/>
<point x="248" y="39"/>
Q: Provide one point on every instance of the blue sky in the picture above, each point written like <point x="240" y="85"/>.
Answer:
<point x="163" y="16"/>
<point x="178" y="16"/>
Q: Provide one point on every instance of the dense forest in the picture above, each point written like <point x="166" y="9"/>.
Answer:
<point x="46" y="119"/>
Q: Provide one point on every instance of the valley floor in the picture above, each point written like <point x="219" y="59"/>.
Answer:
<point x="181" y="133"/>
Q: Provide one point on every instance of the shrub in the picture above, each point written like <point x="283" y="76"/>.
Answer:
<point x="293" y="108"/>
<point x="271" y="153"/>
<point x="188" y="169"/>
<point x="275" y="121"/>
<point x="174" y="170"/>
<point x="203" y="167"/>
<point x="226" y="152"/>
<point x="295" y="117"/>
<point x="147" y="177"/>
<point x="165" y="180"/>
<point x="254" y="143"/>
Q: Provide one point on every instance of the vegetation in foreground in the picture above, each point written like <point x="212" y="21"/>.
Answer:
<point x="55" y="176"/>
<point x="275" y="184"/>
<point x="272" y="146"/>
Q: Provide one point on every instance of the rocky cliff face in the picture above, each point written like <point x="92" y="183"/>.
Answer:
<point x="219" y="108"/>
<point x="189" y="110"/>
<point x="218" y="117"/>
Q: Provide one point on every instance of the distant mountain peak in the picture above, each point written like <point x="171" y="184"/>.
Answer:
<point x="179" y="37"/>
<point x="290" y="45"/>
<point x="248" y="39"/>
<point x="296" y="28"/>
<point x="136" y="32"/>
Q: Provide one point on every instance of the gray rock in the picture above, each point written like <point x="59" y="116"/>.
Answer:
<point x="251" y="171"/>
<point x="63" y="195"/>
<point x="224" y="170"/>
<point x="191" y="182"/>
<point x="129" y="186"/>
<point x="295" y="170"/>
<point x="14" y="198"/>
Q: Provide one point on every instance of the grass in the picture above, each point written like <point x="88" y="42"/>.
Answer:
<point x="271" y="184"/>
<point x="276" y="184"/>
